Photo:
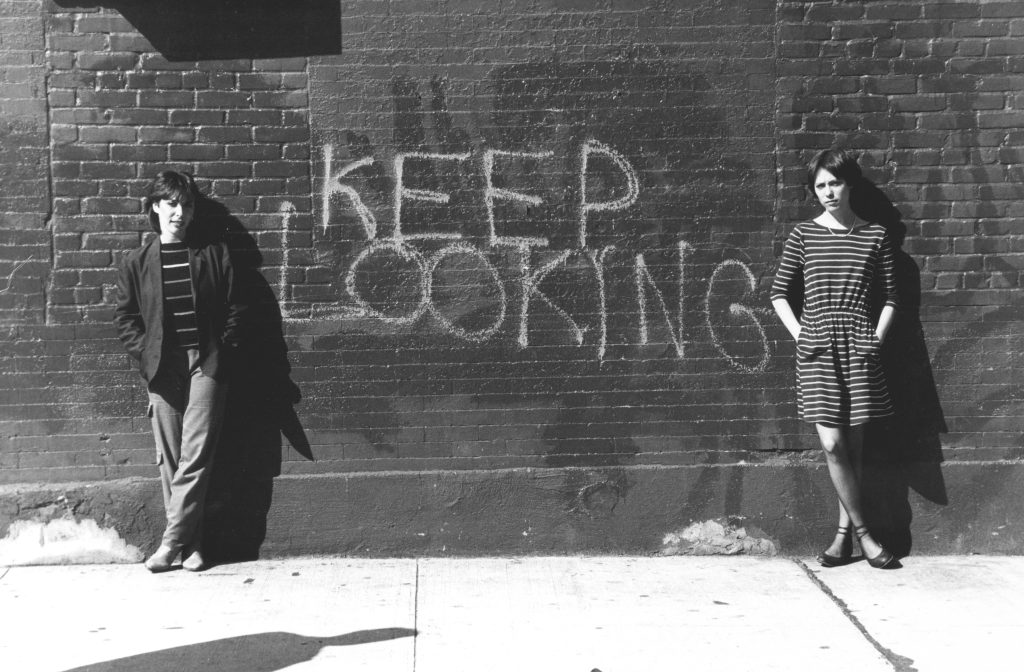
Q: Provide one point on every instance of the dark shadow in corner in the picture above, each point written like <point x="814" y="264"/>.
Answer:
<point x="196" y="30"/>
<point x="904" y="452"/>
<point x="260" y="407"/>
<point x="258" y="652"/>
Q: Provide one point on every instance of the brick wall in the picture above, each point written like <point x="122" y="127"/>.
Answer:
<point x="930" y="94"/>
<point x="533" y="235"/>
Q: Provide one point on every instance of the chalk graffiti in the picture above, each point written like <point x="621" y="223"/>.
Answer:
<point x="632" y="184"/>
<point x="403" y="193"/>
<point x="460" y="283"/>
<point x="10" y="276"/>
<point x="643" y="280"/>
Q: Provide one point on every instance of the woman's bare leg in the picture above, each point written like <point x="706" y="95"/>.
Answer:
<point x="843" y="448"/>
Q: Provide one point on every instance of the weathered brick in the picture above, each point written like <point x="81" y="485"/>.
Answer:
<point x="179" y="99"/>
<point x="195" y="152"/>
<point x="196" y="117"/>
<point x="223" y="99"/>
<point x="105" y="61"/>
<point x="165" y="134"/>
<point x="99" y="134"/>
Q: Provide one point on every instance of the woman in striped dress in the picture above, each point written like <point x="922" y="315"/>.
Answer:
<point x="841" y="262"/>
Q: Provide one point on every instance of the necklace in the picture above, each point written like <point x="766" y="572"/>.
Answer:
<point x="846" y="232"/>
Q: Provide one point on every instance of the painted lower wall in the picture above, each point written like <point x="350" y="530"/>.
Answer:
<point x="919" y="509"/>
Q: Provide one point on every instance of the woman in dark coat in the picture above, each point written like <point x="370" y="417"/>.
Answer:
<point x="178" y="313"/>
<point x="841" y="262"/>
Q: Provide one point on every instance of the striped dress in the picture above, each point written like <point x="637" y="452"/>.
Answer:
<point x="840" y="381"/>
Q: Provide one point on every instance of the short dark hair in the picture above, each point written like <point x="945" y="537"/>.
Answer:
<point x="839" y="162"/>
<point x="170" y="185"/>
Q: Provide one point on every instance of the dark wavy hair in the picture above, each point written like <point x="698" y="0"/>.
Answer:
<point x="171" y="185"/>
<point x="839" y="162"/>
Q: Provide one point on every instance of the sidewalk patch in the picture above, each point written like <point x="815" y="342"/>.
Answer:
<point x="64" y="541"/>
<point x="717" y="537"/>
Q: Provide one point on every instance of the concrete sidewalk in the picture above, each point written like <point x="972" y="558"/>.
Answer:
<point x="564" y="614"/>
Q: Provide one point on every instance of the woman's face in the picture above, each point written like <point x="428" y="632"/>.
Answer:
<point x="832" y="192"/>
<point x="175" y="215"/>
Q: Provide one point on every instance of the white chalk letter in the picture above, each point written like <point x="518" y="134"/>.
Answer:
<point x="491" y="194"/>
<point x="632" y="185"/>
<point x="431" y="196"/>
<point x="332" y="185"/>
<point x="735" y="309"/>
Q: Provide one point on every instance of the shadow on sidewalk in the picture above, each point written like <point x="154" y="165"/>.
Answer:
<point x="259" y="652"/>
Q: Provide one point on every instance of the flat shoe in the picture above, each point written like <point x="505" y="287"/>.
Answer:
<point x="194" y="562"/>
<point x="161" y="560"/>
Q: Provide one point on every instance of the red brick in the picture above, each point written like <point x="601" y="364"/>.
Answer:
<point x="165" y="98"/>
<point x="104" y="24"/>
<point x="224" y="169"/>
<point x="195" y="152"/>
<point x="196" y="117"/>
<point x="82" y="259"/>
<point x="225" y="99"/>
<point x="106" y="61"/>
<point x="107" y="169"/>
<point x="251" y="152"/>
<point x="224" y="134"/>
<point x="99" y="134"/>
<point x="110" y="206"/>
<point x="165" y="134"/>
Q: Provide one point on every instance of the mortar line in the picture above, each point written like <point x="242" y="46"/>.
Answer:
<point x="899" y="663"/>
<point x="415" y="614"/>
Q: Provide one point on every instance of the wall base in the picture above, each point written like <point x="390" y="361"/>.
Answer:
<point x="783" y="509"/>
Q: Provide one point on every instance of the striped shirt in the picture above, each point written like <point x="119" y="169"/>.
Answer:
<point x="179" y="304"/>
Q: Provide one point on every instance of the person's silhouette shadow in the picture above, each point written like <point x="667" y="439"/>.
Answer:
<point x="904" y="451"/>
<point x="258" y="652"/>
<point x="260" y="407"/>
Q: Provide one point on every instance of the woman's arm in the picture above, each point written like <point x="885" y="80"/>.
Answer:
<point x="790" y="272"/>
<point x="885" y="321"/>
<point x="788" y="317"/>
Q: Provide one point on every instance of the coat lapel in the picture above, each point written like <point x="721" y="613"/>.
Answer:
<point x="152" y="273"/>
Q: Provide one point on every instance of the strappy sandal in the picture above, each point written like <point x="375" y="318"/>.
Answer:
<point x="826" y="559"/>
<point x="880" y="561"/>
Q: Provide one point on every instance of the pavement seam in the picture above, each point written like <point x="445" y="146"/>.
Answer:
<point x="4" y="573"/>
<point x="415" y="614"/>
<point x="899" y="663"/>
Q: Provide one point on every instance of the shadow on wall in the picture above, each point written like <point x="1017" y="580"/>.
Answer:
<point x="904" y="452"/>
<point x="260" y="652"/>
<point x="260" y="408"/>
<point x="190" y="30"/>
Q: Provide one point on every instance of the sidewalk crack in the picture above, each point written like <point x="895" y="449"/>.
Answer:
<point x="899" y="663"/>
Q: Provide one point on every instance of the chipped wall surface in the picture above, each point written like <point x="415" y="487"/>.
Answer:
<point x="510" y="247"/>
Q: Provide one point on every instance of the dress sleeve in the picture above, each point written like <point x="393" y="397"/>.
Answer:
<point x="791" y="266"/>
<point x="887" y="267"/>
